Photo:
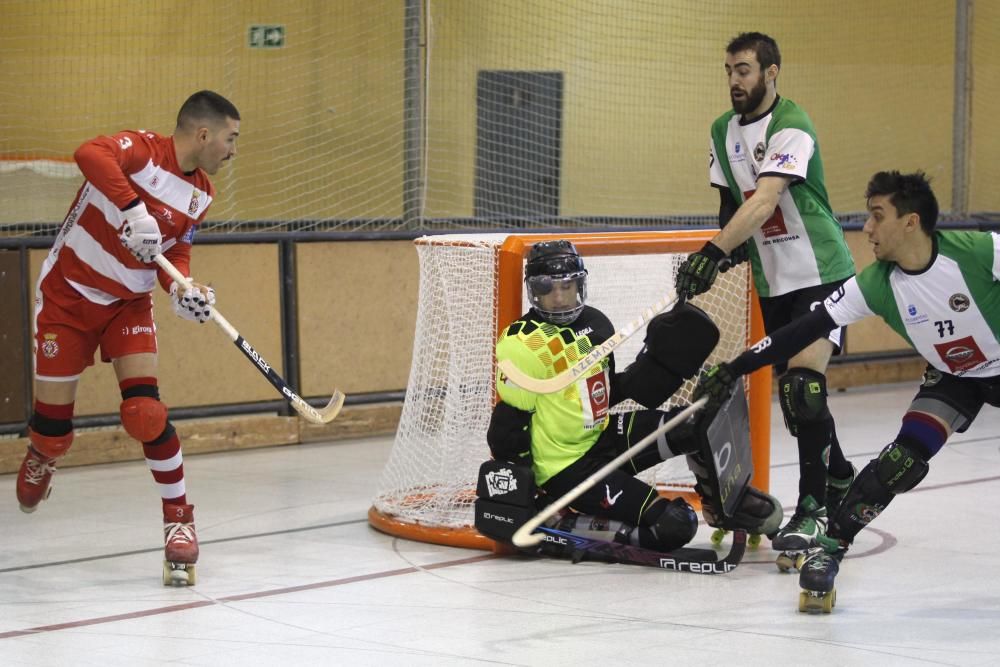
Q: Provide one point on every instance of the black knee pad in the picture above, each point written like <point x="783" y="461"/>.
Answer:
<point x="681" y="339"/>
<point x="667" y="524"/>
<point x="802" y="394"/>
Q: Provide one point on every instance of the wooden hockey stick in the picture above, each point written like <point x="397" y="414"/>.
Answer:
<point x="525" y="535"/>
<point x="577" y="370"/>
<point x="324" y="415"/>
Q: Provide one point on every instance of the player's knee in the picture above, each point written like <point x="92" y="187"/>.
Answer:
<point x="144" y="417"/>
<point x="901" y="467"/>
<point x="802" y="394"/>
<point x="667" y="524"/>
<point x="681" y="339"/>
<point x="50" y="446"/>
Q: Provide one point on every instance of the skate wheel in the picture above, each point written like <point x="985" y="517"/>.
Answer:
<point x="786" y="562"/>
<point x="813" y="602"/>
<point x="179" y="574"/>
<point x="718" y="535"/>
<point x="754" y="540"/>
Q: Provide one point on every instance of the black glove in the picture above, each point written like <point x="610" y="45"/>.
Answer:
<point x="717" y="383"/>
<point x="740" y="254"/>
<point x="699" y="271"/>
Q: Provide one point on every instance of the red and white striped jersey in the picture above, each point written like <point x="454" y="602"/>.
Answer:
<point x="130" y="164"/>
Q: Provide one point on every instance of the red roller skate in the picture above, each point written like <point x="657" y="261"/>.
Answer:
<point x="181" y="551"/>
<point x="34" y="478"/>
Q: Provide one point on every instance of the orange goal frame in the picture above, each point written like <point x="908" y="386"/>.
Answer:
<point x="509" y="295"/>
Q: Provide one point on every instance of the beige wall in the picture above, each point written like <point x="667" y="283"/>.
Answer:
<point x="323" y="117"/>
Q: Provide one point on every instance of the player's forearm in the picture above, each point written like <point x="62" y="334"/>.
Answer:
<point x="784" y="343"/>
<point x="747" y="220"/>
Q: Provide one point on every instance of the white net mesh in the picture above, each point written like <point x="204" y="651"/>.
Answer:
<point x="430" y="477"/>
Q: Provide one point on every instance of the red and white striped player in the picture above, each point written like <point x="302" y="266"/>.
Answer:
<point x="144" y="194"/>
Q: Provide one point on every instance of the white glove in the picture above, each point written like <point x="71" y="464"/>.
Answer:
<point x="195" y="304"/>
<point x="140" y="233"/>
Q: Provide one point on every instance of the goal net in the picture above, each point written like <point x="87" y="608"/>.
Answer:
<point x="470" y="288"/>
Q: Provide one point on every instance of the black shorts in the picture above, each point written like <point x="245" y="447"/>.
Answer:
<point x="777" y="311"/>
<point x="619" y="496"/>
<point x="964" y="395"/>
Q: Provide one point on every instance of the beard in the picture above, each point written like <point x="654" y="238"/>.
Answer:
<point x="752" y="100"/>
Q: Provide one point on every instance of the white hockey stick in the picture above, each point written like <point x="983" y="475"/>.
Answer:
<point x="324" y="415"/>
<point x="577" y="370"/>
<point x="524" y="536"/>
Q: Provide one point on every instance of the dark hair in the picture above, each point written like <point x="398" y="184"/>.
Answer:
<point x="909" y="193"/>
<point x="764" y="46"/>
<point x="206" y="105"/>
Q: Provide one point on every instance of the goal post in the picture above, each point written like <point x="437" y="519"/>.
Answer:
<point x="471" y="288"/>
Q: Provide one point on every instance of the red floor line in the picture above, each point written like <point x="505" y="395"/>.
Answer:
<point x="235" y="598"/>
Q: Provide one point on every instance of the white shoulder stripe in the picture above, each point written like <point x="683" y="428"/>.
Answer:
<point x="172" y="190"/>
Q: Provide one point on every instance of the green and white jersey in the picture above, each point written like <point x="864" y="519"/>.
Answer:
<point x="801" y="244"/>
<point x="949" y="312"/>
<point x="566" y="424"/>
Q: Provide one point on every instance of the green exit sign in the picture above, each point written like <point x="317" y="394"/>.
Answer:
<point x="267" y="36"/>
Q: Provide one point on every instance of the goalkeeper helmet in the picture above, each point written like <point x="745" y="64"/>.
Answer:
<point x="556" y="281"/>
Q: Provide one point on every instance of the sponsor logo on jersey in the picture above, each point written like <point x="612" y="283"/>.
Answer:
<point x="959" y="302"/>
<point x="125" y="143"/>
<point x="960" y="355"/>
<point x="785" y="161"/>
<point x="189" y="235"/>
<point x="759" y="151"/>
<point x="774" y="226"/>
<point x="153" y="182"/>
<point x="914" y="316"/>
<point x="500" y="482"/>
<point x="50" y="348"/>
<point x="597" y="393"/>
<point x="737" y="147"/>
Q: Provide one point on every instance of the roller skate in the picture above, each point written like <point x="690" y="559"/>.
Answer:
<point x="818" y="567"/>
<point x="836" y="489"/>
<point x="800" y="533"/>
<point x="758" y="513"/>
<point x="34" y="478"/>
<point x="181" y="551"/>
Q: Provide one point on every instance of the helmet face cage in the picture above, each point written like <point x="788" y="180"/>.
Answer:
<point x="556" y="266"/>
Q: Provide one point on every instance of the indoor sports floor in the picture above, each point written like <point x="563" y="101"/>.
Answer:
<point x="291" y="574"/>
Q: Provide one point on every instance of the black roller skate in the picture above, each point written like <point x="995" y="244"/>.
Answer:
<point x="818" y="567"/>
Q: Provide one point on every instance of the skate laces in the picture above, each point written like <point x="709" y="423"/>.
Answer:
<point x="36" y="470"/>
<point x="179" y="532"/>
<point x="801" y="519"/>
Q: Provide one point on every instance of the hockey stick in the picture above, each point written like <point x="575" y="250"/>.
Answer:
<point x="525" y="537"/>
<point x="324" y="415"/>
<point x="685" y="559"/>
<point x="576" y="371"/>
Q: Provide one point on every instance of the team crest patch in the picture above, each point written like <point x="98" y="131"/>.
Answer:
<point x="50" y="348"/>
<point x="193" y="206"/>
<point x="759" y="151"/>
<point x="959" y="302"/>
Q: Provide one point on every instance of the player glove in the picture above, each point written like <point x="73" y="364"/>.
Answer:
<point x="699" y="271"/>
<point x="140" y="233"/>
<point x="194" y="304"/>
<point x="740" y="254"/>
<point x="716" y="383"/>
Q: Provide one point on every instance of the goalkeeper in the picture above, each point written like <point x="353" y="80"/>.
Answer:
<point x="566" y="436"/>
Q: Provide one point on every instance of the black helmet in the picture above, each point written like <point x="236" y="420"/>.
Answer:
<point x="552" y="265"/>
